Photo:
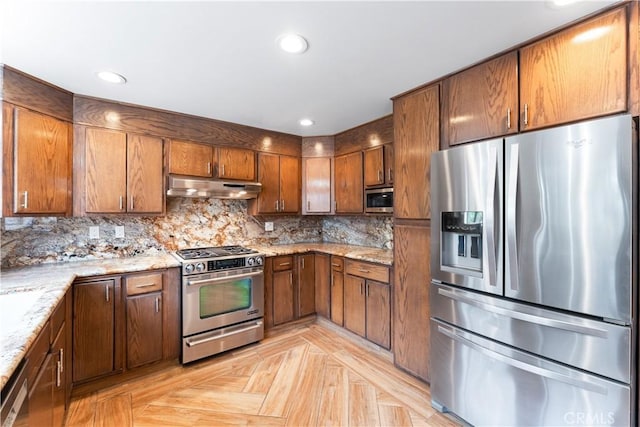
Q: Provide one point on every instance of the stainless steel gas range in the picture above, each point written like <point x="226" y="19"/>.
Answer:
<point x="222" y="299"/>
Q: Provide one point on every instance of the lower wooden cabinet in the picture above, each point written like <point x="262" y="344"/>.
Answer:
<point x="282" y="280"/>
<point x="378" y="313"/>
<point x="290" y="288"/>
<point x="323" y="285"/>
<point x="354" y="304"/>
<point x="144" y="329"/>
<point x="305" y="285"/>
<point x="337" y="290"/>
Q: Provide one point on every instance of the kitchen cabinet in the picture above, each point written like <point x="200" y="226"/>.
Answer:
<point x="416" y="135"/>
<point x="349" y="183"/>
<point x="191" y="158"/>
<point x="120" y="173"/>
<point x="97" y="328"/>
<point x="316" y="185"/>
<point x="482" y="101"/>
<point x="306" y="285"/>
<point x="282" y="282"/>
<point x="323" y="285"/>
<point x="37" y="163"/>
<point x="578" y="73"/>
<point x="144" y="319"/>
<point x="280" y="179"/>
<point x="411" y="298"/>
<point x="378" y="166"/>
<point x="236" y="163"/>
<point x="367" y="301"/>
<point x="337" y="290"/>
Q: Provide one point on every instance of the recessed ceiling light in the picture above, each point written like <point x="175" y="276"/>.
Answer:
<point x="556" y="4"/>
<point x="306" y="122"/>
<point x="292" y="43"/>
<point x="111" y="77"/>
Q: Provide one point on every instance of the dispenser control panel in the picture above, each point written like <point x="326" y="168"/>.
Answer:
<point x="462" y="240"/>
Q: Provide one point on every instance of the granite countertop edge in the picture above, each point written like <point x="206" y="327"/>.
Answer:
<point x="43" y="286"/>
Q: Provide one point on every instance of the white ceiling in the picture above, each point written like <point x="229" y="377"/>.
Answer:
<point x="219" y="59"/>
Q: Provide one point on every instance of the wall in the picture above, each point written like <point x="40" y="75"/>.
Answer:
<point x="188" y="223"/>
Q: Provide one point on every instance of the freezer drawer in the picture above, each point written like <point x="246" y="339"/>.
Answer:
<point x="489" y="384"/>
<point x="594" y="346"/>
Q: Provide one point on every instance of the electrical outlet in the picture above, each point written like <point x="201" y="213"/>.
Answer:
<point x="268" y="226"/>
<point x="119" y="231"/>
<point x="94" y="232"/>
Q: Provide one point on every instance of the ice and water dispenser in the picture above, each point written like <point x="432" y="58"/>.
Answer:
<point x="462" y="242"/>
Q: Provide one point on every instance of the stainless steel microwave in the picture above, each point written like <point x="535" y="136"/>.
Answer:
<point x="379" y="200"/>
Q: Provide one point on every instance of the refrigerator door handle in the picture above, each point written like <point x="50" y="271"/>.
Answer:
<point x="525" y="317"/>
<point x="490" y="217"/>
<point x="512" y="192"/>
<point x="536" y="370"/>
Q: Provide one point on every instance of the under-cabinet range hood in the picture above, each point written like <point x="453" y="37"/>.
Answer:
<point x="180" y="186"/>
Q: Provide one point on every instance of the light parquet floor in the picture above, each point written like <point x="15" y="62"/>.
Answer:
<point x="307" y="376"/>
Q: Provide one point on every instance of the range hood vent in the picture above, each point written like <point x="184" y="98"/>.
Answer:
<point x="179" y="186"/>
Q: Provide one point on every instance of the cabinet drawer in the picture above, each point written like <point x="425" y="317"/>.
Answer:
<point x="337" y="263"/>
<point x="143" y="283"/>
<point x="57" y="318"/>
<point x="281" y="263"/>
<point x="375" y="272"/>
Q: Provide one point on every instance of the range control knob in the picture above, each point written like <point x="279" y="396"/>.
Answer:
<point x="259" y="260"/>
<point x="200" y="267"/>
<point x="189" y="268"/>
<point x="251" y="261"/>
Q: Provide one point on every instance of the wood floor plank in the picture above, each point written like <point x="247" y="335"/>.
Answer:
<point x="235" y="383"/>
<point x="277" y="402"/>
<point x="263" y="375"/>
<point x="81" y="411"/>
<point x="305" y="404"/>
<point x="214" y="400"/>
<point x="169" y="416"/>
<point x="220" y="419"/>
<point x="334" y="397"/>
<point x="115" y="411"/>
<point x="392" y="415"/>
<point x="363" y="405"/>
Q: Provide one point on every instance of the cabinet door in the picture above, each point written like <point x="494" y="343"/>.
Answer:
<point x="40" y="395"/>
<point x="190" y="158"/>
<point x="374" y="167"/>
<point x="316" y="185"/>
<point x="236" y="163"/>
<point x="94" y="329"/>
<point x="282" y="296"/>
<point x="269" y="176"/>
<point x="354" y="304"/>
<point x="378" y="313"/>
<point x="323" y="285"/>
<point x="411" y="299"/>
<point x="306" y="285"/>
<point x="576" y="74"/>
<point x="388" y="163"/>
<point x="289" y="184"/>
<point x="144" y="329"/>
<point x="416" y="135"/>
<point x="58" y="351"/>
<point x="145" y="184"/>
<point x="106" y="171"/>
<point x="349" y="185"/>
<point x="481" y="102"/>
<point x="42" y="163"/>
<point x="337" y="291"/>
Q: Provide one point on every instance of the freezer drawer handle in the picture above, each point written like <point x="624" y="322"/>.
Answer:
<point x="228" y="334"/>
<point x="536" y="370"/>
<point x="552" y="323"/>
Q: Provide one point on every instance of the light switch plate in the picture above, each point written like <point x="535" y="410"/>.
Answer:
<point x="94" y="232"/>
<point x="268" y="226"/>
<point x="120" y="231"/>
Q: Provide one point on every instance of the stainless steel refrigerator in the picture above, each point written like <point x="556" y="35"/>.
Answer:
<point x="533" y="291"/>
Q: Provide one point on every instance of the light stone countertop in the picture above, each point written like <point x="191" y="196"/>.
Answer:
<point x="28" y="295"/>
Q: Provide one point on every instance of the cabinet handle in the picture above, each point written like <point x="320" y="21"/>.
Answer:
<point x="379" y="176"/>
<point x="277" y="205"/>
<point x="106" y="292"/>
<point x="526" y="114"/>
<point x="361" y="290"/>
<point x="25" y="205"/>
<point x="222" y="170"/>
<point x="282" y="264"/>
<point x="61" y="359"/>
<point x="368" y="292"/>
<point x="335" y="265"/>
<point x="308" y="205"/>
<point x="390" y="174"/>
<point x="283" y="205"/>
<point x="146" y="285"/>
<point x="121" y="203"/>
<point x="508" y="118"/>
<point x="131" y="202"/>
<point x="291" y="279"/>
<point x="209" y="168"/>
<point x="58" y="376"/>
<point x="157" y="304"/>
<point x="362" y="270"/>
<point x="302" y="262"/>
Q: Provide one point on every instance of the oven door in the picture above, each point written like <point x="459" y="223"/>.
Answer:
<point x="216" y="300"/>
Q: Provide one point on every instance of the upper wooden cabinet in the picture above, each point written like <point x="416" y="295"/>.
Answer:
<point x="575" y="74"/>
<point x="416" y="136"/>
<point x="481" y="102"/>
<point x="236" y="163"/>
<point x="280" y="179"/>
<point x="316" y="185"/>
<point x="191" y="158"/>
<point x="378" y="166"/>
<point x="37" y="163"/>
<point x="122" y="173"/>
<point x="348" y="183"/>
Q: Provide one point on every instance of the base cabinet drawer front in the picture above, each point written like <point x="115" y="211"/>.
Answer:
<point x="143" y="283"/>
<point x="281" y="263"/>
<point x="376" y="272"/>
<point x="144" y="329"/>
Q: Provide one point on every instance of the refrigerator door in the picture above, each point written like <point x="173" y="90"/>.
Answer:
<point x="569" y="217"/>
<point x="490" y="384"/>
<point x="466" y="220"/>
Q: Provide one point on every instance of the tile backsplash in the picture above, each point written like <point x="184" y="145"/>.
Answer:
<point x="187" y="223"/>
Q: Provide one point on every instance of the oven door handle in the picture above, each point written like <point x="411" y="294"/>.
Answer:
<point x="193" y="343"/>
<point x="222" y="279"/>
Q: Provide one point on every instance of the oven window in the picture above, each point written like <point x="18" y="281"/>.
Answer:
<point x="225" y="297"/>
